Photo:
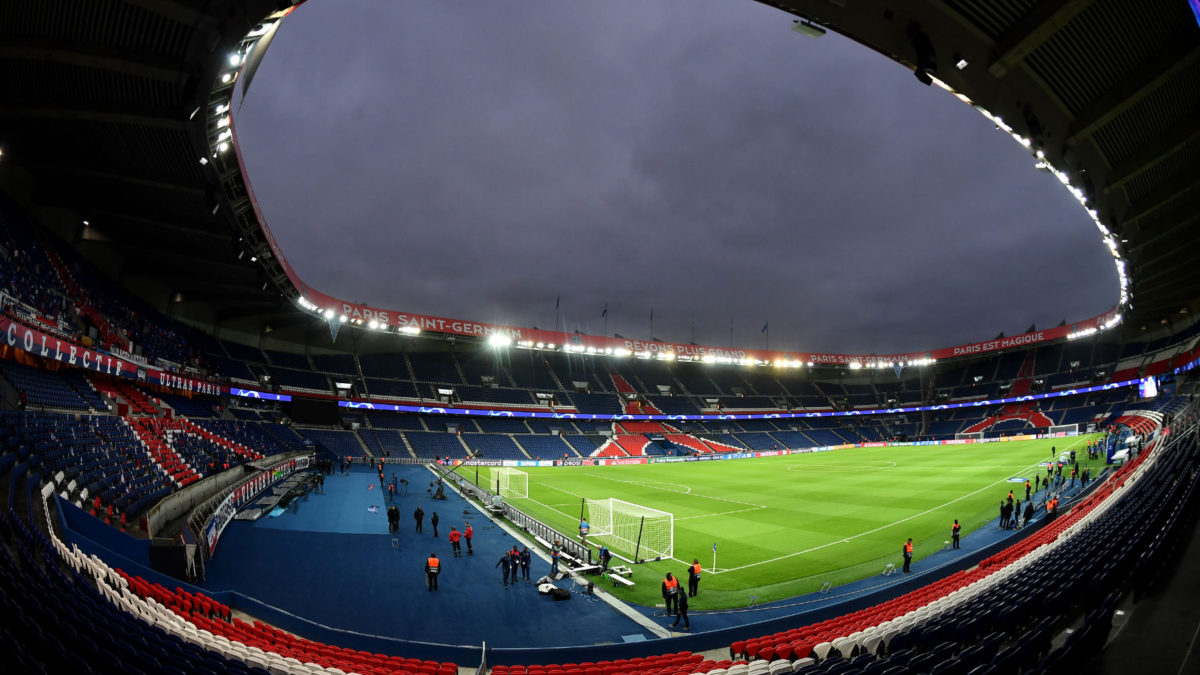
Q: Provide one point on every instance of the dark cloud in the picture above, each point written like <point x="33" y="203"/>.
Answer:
<point x="697" y="159"/>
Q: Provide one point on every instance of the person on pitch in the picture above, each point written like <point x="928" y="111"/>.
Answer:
<point x="693" y="580"/>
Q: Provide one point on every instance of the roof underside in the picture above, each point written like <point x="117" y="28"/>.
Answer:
<point x="102" y="117"/>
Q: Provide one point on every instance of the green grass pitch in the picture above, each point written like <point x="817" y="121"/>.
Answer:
<point x="785" y="525"/>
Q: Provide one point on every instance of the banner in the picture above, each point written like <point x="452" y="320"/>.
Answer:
<point x="36" y="342"/>
<point x="709" y="417"/>
<point x="616" y="461"/>
<point x="597" y="344"/>
<point x="245" y="492"/>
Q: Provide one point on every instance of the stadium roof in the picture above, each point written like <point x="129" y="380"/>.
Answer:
<point x="108" y="108"/>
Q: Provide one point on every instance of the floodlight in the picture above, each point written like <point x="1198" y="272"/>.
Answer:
<point x="807" y="28"/>
<point x="342" y="318"/>
<point x="342" y="385"/>
<point x="962" y="63"/>
<point x="222" y="146"/>
<point x="499" y="340"/>
<point x="235" y="59"/>
<point x="226" y="78"/>
<point x="329" y="314"/>
<point x="410" y="330"/>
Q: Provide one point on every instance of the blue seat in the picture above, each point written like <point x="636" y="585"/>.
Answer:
<point x="949" y="666"/>
<point x="923" y="663"/>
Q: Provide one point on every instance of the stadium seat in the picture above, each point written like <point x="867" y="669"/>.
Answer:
<point x="821" y="651"/>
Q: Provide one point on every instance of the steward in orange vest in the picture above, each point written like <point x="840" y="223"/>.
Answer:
<point x="433" y="567"/>
<point x="670" y="592"/>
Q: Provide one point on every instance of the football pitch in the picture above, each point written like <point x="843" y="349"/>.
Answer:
<point x="784" y="526"/>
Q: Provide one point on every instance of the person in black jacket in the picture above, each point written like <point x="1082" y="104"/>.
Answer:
<point x="505" y="565"/>
<point x="419" y="516"/>
<point x="526" y="562"/>
<point x="681" y="603"/>
<point x="434" y="521"/>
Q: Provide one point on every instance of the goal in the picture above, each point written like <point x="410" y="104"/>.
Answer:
<point x="635" y="530"/>
<point x="511" y="483"/>
<point x="1064" y="430"/>
<point x="977" y="435"/>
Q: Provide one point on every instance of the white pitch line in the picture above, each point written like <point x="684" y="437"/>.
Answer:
<point x="690" y="494"/>
<point x="856" y="467"/>
<point x="882" y="527"/>
<point x="724" y="513"/>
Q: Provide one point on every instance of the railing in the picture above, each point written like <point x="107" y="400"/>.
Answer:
<point x="517" y="517"/>
<point x="199" y="516"/>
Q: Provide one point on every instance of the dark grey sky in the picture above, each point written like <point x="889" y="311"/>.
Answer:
<point x="477" y="160"/>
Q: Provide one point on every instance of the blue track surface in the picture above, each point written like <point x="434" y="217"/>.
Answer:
<point x="332" y="561"/>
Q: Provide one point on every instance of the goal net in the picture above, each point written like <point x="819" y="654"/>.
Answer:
<point x="1064" y="429"/>
<point x="511" y="483"/>
<point x="977" y="435"/>
<point x="637" y="531"/>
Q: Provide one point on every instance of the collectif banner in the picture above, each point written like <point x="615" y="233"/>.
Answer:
<point x="34" y="341"/>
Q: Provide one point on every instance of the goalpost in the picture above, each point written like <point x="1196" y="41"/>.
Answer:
<point x="639" y="531"/>
<point x="511" y="483"/>
<point x="977" y="435"/>
<point x="1064" y="430"/>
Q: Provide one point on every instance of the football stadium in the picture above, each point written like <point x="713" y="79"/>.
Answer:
<point x="211" y="466"/>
